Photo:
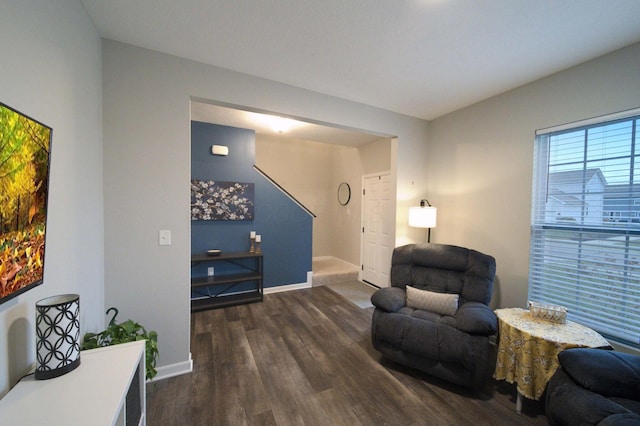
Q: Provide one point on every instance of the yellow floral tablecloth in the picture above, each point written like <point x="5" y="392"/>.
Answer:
<point x="528" y="348"/>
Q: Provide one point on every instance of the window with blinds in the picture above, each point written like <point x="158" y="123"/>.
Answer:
<point x="585" y="223"/>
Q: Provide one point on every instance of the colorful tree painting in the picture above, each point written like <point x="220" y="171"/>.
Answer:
<point x="24" y="171"/>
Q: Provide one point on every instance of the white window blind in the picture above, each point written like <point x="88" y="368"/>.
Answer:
<point x="585" y="224"/>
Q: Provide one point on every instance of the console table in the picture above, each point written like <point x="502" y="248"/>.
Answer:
<point x="528" y="349"/>
<point x="107" y="388"/>
<point x="214" y="291"/>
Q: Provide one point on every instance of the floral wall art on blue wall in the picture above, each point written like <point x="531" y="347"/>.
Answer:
<point x="216" y="200"/>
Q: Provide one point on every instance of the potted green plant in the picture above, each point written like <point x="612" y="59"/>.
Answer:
<point x="127" y="331"/>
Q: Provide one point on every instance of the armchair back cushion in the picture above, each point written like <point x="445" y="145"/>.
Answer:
<point x="444" y="269"/>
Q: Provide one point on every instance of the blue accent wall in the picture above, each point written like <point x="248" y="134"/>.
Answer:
<point x="286" y="229"/>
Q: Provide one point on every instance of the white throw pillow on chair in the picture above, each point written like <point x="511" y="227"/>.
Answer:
<point x="440" y="303"/>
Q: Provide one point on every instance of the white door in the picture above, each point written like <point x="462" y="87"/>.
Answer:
<point x="377" y="236"/>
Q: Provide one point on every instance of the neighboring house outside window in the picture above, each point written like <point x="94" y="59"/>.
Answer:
<point x="585" y="227"/>
<point x="565" y="206"/>
<point x="620" y="204"/>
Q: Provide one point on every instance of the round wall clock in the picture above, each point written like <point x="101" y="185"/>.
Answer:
<point x="344" y="193"/>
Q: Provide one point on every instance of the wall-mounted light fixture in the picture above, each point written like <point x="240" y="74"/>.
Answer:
<point x="423" y="217"/>
<point x="220" y="150"/>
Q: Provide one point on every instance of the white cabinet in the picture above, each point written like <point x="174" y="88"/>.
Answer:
<point x="108" y="388"/>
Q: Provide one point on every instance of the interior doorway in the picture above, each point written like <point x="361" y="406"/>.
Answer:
<point x="310" y="160"/>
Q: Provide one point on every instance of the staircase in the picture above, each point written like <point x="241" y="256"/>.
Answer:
<point x="331" y="270"/>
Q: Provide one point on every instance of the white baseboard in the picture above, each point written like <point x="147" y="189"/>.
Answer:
<point x="172" y="370"/>
<point x="290" y="287"/>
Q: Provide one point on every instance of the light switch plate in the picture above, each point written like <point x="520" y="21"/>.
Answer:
<point x="164" y="237"/>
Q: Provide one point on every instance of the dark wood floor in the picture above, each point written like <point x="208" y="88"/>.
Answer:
<point x="305" y="358"/>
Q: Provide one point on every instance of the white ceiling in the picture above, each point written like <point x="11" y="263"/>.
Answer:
<point x="423" y="58"/>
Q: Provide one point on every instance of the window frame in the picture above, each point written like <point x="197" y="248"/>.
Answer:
<point x="579" y="237"/>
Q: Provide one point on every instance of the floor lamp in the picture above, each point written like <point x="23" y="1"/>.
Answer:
<point x="423" y="217"/>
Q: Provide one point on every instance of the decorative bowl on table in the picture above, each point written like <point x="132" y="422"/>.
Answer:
<point x="545" y="311"/>
<point x="214" y="252"/>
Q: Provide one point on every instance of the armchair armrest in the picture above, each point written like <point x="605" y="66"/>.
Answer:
<point x="476" y="318"/>
<point x="389" y="299"/>
<point x="569" y="403"/>
<point x="608" y="373"/>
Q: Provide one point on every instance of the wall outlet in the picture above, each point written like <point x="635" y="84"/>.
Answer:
<point x="210" y="271"/>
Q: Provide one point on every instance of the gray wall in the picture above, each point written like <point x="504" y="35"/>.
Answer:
<point x="480" y="159"/>
<point x="51" y="71"/>
<point x="146" y="165"/>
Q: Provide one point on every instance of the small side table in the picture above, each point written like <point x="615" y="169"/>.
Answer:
<point x="528" y="349"/>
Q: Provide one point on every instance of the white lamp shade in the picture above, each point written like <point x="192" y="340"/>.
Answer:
<point x="422" y="217"/>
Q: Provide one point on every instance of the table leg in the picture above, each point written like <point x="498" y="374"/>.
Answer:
<point x="519" y="403"/>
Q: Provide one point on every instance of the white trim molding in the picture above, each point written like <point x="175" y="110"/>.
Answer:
<point x="172" y="370"/>
<point x="290" y="287"/>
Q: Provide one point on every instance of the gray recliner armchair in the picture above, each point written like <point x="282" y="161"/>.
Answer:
<point x="594" y="387"/>
<point x="435" y="316"/>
